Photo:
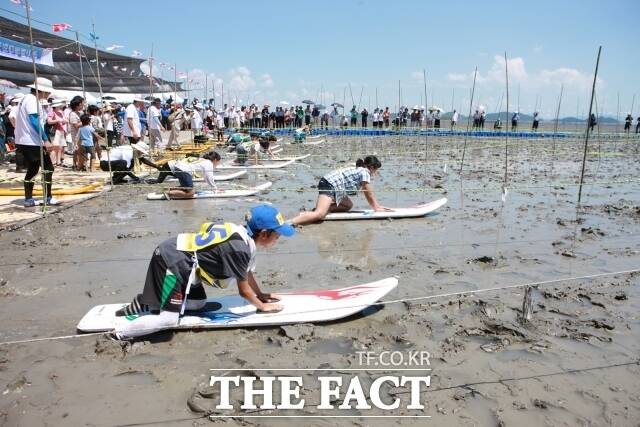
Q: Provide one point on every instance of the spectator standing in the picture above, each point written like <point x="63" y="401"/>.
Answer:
<point x="386" y="117"/>
<point x="56" y="120"/>
<point x="536" y="121"/>
<point x="154" y="120"/>
<point x="514" y="120"/>
<point x="32" y="141"/>
<point x="131" y="128"/>
<point x="73" y="127"/>
<point x="354" y="116"/>
<point x="364" y="114"/>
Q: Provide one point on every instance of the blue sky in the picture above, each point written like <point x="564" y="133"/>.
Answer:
<point x="288" y="50"/>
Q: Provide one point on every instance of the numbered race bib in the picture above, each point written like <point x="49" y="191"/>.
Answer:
<point x="209" y="234"/>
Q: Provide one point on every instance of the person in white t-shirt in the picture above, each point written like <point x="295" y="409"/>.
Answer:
<point x="454" y="119"/>
<point x="131" y="127"/>
<point x="196" y="119"/>
<point x="184" y="171"/>
<point x="155" y="126"/>
<point x="32" y="142"/>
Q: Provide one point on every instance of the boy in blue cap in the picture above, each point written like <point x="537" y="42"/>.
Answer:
<point x="218" y="255"/>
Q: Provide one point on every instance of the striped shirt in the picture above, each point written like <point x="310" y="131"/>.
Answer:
<point x="347" y="181"/>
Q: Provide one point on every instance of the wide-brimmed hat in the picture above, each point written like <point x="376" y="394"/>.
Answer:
<point x="16" y="98"/>
<point x="58" y="103"/>
<point x="138" y="99"/>
<point x="44" y="85"/>
<point x="141" y="147"/>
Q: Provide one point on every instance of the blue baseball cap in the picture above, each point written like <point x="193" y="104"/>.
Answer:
<point x="265" y="217"/>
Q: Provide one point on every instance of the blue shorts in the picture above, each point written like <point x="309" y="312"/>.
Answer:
<point x="185" y="178"/>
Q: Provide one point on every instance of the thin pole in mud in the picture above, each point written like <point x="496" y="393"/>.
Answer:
<point x="555" y="127"/>
<point x="453" y="97"/>
<point x="351" y="93"/>
<point x="95" y="46"/>
<point x="577" y="113"/>
<point x="426" y="140"/>
<point x="506" y="135"/>
<point x="466" y="134"/>
<point x="618" y="115"/>
<point x="426" y="134"/>
<point x="84" y="93"/>
<point x="586" y="137"/>
<point x="44" y="176"/>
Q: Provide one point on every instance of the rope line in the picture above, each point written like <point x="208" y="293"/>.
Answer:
<point x="379" y="303"/>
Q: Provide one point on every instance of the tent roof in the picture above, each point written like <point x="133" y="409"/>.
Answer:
<point x="118" y="73"/>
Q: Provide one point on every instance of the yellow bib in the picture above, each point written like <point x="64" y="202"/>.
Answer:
<point x="210" y="234"/>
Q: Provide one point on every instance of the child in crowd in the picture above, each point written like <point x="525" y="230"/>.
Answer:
<point x="85" y="144"/>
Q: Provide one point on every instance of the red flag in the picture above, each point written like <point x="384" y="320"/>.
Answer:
<point x="60" y="27"/>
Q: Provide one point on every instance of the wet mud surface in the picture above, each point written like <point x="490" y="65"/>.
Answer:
<point x="488" y="368"/>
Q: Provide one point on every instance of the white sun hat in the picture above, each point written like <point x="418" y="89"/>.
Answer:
<point x="44" y="85"/>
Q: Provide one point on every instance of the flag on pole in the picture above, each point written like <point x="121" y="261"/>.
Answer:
<point x="21" y="3"/>
<point x="94" y="37"/>
<point x="60" y="27"/>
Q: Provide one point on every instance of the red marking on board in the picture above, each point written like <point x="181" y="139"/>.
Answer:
<point x="338" y="294"/>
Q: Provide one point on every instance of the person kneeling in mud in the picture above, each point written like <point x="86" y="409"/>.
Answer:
<point x="334" y="190"/>
<point x="219" y="255"/>
<point x="184" y="170"/>
<point x="300" y="135"/>
<point x="252" y="149"/>
<point x="120" y="161"/>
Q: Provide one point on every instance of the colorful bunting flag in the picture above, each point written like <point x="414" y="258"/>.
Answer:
<point x="60" y="27"/>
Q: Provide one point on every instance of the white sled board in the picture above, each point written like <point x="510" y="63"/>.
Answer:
<point x="233" y="311"/>
<point x="294" y="158"/>
<point x="265" y="164"/>
<point x="219" y="194"/>
<point x="307" y="142"/>
<point x="217" y="177"/>
<point x="412" y="212"/>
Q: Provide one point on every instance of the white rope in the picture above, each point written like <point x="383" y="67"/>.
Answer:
<point x="401" y="300"/>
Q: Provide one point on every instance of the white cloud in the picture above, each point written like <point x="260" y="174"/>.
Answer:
<point x="266" y="80"/>
<point x="417" y="75"/>
<point x="241" y="79"/>
<point x="570" y="77"/>
<point x="458" y="77"/>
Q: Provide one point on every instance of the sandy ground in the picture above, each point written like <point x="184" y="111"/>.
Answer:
<point x="487" y="368"/>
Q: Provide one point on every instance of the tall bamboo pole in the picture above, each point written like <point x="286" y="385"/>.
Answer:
<point x="466" y="134"/>
<point x="43" y="175"/>
<point x="586" y="137"/>
<point x="84" y="93"/>
<point x="506" y="134"/>
<point x="95" y="46"/>
<point x="150" y="72"/>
